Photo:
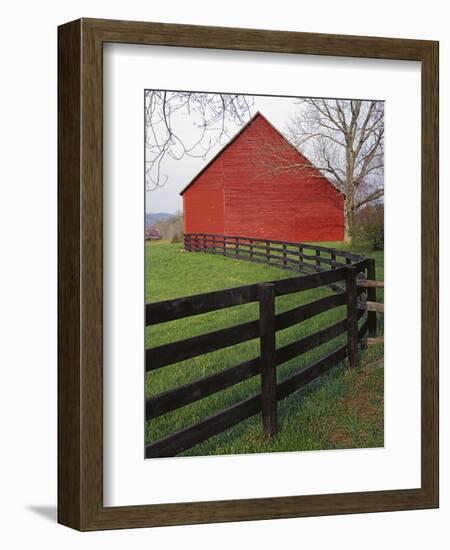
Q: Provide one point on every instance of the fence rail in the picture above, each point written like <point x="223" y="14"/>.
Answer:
<point x="373" y="308"/>
<point x="264" y="328"/>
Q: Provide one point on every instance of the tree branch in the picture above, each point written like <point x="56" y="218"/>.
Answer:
<point x="370" y="198"/>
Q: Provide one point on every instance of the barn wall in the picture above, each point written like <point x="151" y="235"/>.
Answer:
<point x="264" y="199"/>
<point x="248" y="191"/>
<point x="203" y="202"/>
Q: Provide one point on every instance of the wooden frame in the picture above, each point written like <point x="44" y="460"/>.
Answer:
<point x="80" y="416"/>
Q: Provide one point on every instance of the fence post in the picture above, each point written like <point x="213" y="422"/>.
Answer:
<point x="300" y="258"/>
<point x="372" y="297"/>
<point x="224" y="245"/>
<point x="266" y="296"/>
<point x="352" y="317"/>
<point x="268" y="251"/>
<point x="317" y="260"/>
<point x="333" y="259"/>
<point x="362" y="299"/>
<point x="284" y="255"/>
<point x="204" y="243"/>
<point x="251" y="249"/>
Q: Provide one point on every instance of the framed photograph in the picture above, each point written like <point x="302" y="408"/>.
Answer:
<point x="239" y="210"/>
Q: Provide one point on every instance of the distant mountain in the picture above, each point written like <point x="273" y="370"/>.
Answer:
<point x="154" y="217"/>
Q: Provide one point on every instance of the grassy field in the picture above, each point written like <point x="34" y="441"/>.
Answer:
<point x="342" y="409"/>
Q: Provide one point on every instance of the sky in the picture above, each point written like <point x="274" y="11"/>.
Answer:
<point x="180" y="172"/>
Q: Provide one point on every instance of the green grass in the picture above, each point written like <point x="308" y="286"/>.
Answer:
<point x="377" y="255"/>
<point x="305" y="418"/>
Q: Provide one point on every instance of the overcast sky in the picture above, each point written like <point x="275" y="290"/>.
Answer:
<point x="180" y="172"/>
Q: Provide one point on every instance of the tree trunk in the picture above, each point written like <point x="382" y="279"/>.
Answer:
<point x="347" y="232"/>
<point x="349" y="219"/>
<point x="349" y="204"/>
<point x="348" y="223"/>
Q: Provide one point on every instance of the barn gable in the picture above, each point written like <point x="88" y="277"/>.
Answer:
<point x="259" y="185"/>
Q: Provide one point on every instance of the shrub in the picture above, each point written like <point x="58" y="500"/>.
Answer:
<point x="369" y="226"/>
<point x="171" y="228"/>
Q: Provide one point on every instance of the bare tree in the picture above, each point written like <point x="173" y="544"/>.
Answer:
<point x="171" y="228"/>
<point x="345" y="140"/>
<point x="187" y="124"/>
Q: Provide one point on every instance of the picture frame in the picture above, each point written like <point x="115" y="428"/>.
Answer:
<point x="80" y="274"/>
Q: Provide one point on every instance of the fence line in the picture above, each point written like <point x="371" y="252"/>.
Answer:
<point x="292" y="256"/>
<point x="287" y="255"/>
<point x="233" y="245"/>
<point x="264" y="328"/>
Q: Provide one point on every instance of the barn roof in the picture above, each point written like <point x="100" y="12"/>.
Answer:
<point x="233" y="139"/>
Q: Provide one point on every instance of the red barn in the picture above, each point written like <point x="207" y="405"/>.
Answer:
<point x="259" y="185"/>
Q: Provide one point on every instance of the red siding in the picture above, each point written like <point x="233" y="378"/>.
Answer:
<point x="240" y="192"/>
<point x="203" y="202"/>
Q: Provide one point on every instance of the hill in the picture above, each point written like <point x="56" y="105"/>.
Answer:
<point x="151" y="218"/>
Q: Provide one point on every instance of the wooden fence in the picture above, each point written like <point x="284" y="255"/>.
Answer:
<point x="299" y="257"/>
<point x="265" y="365"/>
<point x="287" y="255"/>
